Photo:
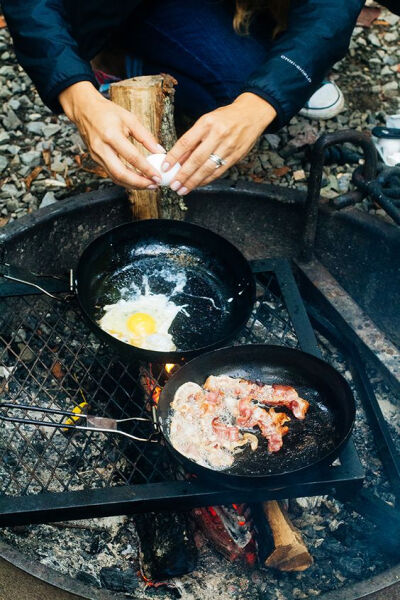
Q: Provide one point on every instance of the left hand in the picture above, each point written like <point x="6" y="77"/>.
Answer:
<point x="229" y="132"/>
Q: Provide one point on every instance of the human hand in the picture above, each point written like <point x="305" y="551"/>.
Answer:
<point x="105" y="128"/>
<point x="228" y="132"/>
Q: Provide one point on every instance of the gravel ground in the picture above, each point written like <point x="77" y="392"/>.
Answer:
<point x="43" y="159"/>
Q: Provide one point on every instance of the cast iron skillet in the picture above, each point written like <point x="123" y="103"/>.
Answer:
<point x="219" y="293"/>
<point x="309" y="444"/>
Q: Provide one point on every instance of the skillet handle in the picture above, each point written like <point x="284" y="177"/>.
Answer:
<point x="39" y="282"/>
<point x="92" y="423"/>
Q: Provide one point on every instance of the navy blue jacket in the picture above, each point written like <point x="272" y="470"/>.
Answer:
<point x="55" y="40"/>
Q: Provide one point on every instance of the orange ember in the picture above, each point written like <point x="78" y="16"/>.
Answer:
<point x="156" y="394"/>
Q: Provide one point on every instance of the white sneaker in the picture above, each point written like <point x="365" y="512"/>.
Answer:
<point x="325" y="103"/>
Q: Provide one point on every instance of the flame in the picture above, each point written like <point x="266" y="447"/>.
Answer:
<point x="156" y="394"/>
<point x="169" y="367"/>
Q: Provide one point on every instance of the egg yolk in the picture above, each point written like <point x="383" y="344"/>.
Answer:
<point x="141" y="324"/>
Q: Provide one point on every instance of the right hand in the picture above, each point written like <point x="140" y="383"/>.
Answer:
<point x="106" y="128"/>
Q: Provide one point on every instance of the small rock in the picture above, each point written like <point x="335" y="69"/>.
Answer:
<point x="24" y="101"/>
<point x="34" y="116"/>
<point x="31" y="158"/>
<point x="26" y="353"/>
<point x="344" y="182"/>
<point x="11" y="121"/>
<point x="49" y="130"/>
<point x="390" y="86"/>
<point x="29" y="198"/>
<point x="273" y="140"/>
<point x="14" y="103"/>
<point x="12" y="205"/>
<point x="374" y="40"/>
<point x="58" y="166"/>
<point x="11" y="149"/>
<point x="276" y="160"/>
<point x="48" y="198"/>
<point x="4" y="137"/>
<point x="3" y="163"/>
<point x="7" y="71"/>
<point x="386" y="71"/>
<point x="35" y="127"/>
<point x="390" y="37"/>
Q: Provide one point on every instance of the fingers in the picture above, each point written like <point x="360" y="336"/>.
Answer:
<point x="142" y="135"/>
<point x="128" y="151"/>
<point x="196" y="167"/>
<point x="185" y="145"/>
<point x="121" y="174"/>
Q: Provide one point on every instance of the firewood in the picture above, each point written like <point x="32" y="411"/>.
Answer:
<point x="291" y="553"/>
<point x="166" y="545"/>
<point x="151" y="99"/>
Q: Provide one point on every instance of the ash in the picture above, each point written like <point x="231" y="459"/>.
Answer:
<point x="103" y="553"/>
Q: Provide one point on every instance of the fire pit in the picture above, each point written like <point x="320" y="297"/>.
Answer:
<point x="49" y="359"/>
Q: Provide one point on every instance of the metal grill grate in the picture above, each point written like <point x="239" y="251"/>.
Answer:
<point x="49" y="358"/>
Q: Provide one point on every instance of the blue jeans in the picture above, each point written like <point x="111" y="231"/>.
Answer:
<point x="194" y="41"/>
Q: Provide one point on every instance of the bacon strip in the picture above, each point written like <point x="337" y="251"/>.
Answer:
<point x="271" y="395"/>
<point x="270" y="423"/>
<point x="229" y="433"/>
<point x="285" y="395"/>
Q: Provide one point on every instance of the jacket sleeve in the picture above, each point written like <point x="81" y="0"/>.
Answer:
<point x="317" y="36"/>
<point x="45" y="47"/>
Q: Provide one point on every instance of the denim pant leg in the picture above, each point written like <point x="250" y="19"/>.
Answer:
<point x="194" y="41"/>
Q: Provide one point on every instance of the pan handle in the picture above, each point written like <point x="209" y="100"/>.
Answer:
<point x="95" y="424"/>
<point x="37" y="281"/>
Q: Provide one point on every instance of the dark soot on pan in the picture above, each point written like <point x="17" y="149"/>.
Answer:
<point x="184" y="279"/>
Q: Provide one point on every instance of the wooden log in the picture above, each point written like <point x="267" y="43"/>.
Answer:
<point x="151" y="99"/>
<point x="290" y="553"/>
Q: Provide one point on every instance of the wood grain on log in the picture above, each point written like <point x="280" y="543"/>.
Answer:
<point x="150" y="98"/>
<point x="291" y="553"/>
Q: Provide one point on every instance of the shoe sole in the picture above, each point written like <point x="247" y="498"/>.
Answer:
<point x="323" y="114"/>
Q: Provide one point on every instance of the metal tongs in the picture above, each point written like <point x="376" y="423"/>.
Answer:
<point x="93" y="423"/>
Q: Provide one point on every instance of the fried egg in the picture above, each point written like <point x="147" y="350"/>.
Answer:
<point x="143" y="321"/>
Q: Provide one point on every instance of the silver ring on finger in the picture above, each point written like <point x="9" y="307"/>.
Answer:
<point x="219" y="162"/>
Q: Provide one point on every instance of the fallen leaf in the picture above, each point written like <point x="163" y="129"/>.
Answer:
<point x="99" y="171"/>
<point x="32" y="176"/>
<point x="368" y="15"/>
<point x="46" y="157"/>
<point x="2" y="22"/>
<point x="257" y="178"/>
<point x="281" y="171"/>
<point x="3" y="221"/>
<point x="57" y="370"/>
<point x="85" y="162"/>
<point x="54" y="183"/>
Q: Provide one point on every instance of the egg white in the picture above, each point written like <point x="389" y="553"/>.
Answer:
<point x="157" y="306"/>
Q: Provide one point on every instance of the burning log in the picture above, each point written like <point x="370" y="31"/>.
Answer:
<point x="290" y="553"/>
<point x="229" y="530"/>
<point x="166" y="545"/>
<point x="151" y="99"/>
